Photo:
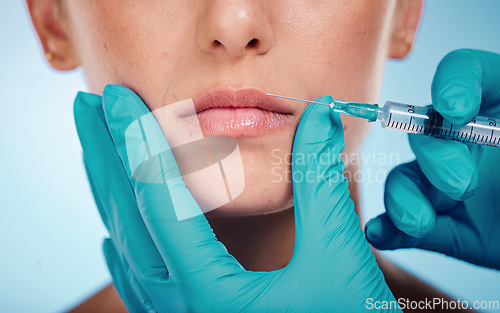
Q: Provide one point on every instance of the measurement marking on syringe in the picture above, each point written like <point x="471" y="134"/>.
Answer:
<point x="427" y="121"/>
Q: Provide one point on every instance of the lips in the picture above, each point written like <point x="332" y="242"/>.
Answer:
<point x="239" y="112"/>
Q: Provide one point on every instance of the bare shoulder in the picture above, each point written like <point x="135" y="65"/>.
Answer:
<point x="407" y="286"/>
<point x="106" y="300"/>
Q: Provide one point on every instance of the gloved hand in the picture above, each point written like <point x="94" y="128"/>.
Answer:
<point x="448" y="200"/>
<point x="161" y="264"/>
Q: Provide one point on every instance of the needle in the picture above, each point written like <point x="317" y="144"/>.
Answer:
<point x="297" y="99"/>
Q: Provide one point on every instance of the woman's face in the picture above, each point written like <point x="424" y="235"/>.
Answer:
<point x="170" y="50"/>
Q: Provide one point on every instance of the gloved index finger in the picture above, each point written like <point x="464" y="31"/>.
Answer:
<point x="173" y="217"/>
<point x="447" y="164"/>
<point x="464" y="81"/>
<point x="114" y="195"/>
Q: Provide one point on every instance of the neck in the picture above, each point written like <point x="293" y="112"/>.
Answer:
<point x="264" y="242"/>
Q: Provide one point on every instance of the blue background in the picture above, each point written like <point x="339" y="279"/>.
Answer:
<point x="50" y="231"/>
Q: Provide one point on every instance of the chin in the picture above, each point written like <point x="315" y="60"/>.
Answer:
<point x="255" y="202"/>
<point x="258" y="199"/>
<point x="267" y="185"/>
<point x="232" y="146"/>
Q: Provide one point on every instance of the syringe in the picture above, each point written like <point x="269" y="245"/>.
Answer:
<point x="418" y="120"/>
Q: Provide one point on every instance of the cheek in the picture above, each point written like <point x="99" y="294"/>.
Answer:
<point x="355" y="130"/>
<point x="135" y="44"/>
<point x="343" y="48"/>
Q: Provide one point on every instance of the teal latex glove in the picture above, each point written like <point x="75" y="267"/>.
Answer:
<point x="448" y="200"/>
<point x="161" y="264"/>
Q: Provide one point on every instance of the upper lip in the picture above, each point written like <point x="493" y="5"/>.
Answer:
<point x="239" y="98"/>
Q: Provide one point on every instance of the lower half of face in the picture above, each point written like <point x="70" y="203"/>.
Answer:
<point x="226" y="55"/>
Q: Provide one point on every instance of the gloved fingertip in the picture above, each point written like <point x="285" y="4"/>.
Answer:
<point x="319" y="110"/>
<point x="383" y="235"/>
<point x="464" y="183"/>
<point x="424" y="224"/>
<point x="414" y="217"/>
<point x="447" y="164"/>
<point x="456" y="89"/>
<point x="374" y="230"/>
<point x="457" y="105"/>
<point x="334" y="116"/>
<point x="111" y="95"/>
<point x="110" y="252"/>
<point x="317" y="113"/>
<point x="109" y="103"/>
<point x="118" y="90"/>
<point x="325" y="99"/>
<point x="85" y="100"/>
<point x="120" y="103"/>
<point x="319" y="124"/>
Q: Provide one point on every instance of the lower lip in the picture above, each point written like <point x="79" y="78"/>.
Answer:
<point x="239" y="122"/>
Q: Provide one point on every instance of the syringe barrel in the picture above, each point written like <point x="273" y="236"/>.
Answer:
<point x="427" y="121"/>
<point x="405" y="117"/>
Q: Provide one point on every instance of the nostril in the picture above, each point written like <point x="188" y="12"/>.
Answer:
<point x="216" y="43"/>
<point x="253" y="43"/>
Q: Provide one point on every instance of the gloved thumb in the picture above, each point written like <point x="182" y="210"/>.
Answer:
<point x="321" y="196"/>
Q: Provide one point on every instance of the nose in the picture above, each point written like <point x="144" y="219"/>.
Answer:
<point x="234" y="28"/>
